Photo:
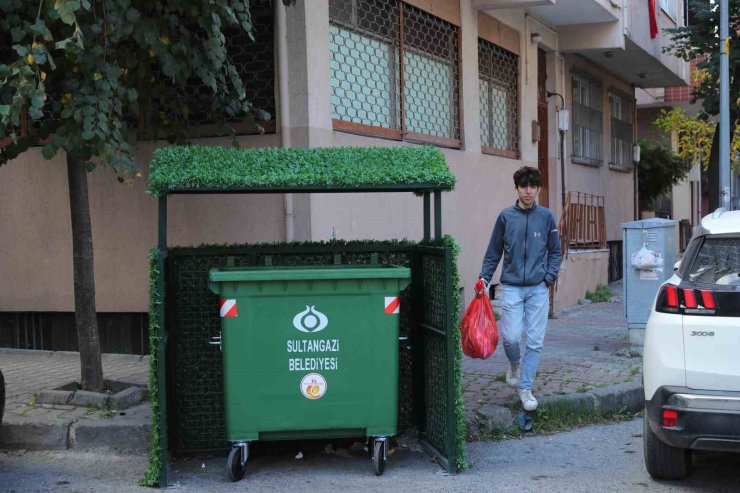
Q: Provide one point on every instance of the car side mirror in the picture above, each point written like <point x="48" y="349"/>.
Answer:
<point x="676" y="266"/>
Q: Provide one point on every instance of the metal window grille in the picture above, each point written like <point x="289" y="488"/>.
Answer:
<point x="255" y="63"/>
<point x="587" y="120"/>
<point x="363" y="47"/>
<point x="621" y="132"/>
<point x="498" y="79"/>
<point x="394" y="67"/>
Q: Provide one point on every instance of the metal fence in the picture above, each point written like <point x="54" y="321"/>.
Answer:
<point x="394" y="71"/>
<point x="582" y="223"/>
<point x="498" y="90"/>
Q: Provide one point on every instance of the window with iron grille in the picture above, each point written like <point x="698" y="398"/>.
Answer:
<point x="621" y="132"/>
<point x="254" y="61"/>
<point x="587" y="120"/>
<point x="394" y="71"/>
<point x="498" y="80"/>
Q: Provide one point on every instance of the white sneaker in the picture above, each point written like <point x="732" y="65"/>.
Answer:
<point x="512" y="374"/>
<point x="529" y="403"/>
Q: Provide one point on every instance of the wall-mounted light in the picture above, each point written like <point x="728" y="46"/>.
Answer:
<point x="636" y="153"/>
<point x="535" y="38"/>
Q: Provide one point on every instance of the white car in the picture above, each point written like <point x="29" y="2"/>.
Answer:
<point x="691" y="362"/>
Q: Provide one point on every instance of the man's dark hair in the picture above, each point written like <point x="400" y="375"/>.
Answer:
<point x="527" y="175"/>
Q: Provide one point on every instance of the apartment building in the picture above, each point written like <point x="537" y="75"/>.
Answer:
<point x="484" y="80"/>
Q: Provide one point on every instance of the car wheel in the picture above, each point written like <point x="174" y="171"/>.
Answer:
<point x="662" y="460"/>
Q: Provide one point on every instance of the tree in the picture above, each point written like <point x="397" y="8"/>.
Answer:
<point x="85" y="73"/>
<point x="658" y="170"/>
<point x="700" y="40"/>
<point x="694" y="136"/>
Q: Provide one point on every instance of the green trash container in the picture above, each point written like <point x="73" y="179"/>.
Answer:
<point x="309" y="352"/>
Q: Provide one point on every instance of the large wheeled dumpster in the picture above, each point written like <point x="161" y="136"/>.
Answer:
<point x="309" y="352"/>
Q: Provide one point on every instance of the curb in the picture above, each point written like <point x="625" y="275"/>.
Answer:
<point x="130" y="432"/>
<point x="490" y="418"/>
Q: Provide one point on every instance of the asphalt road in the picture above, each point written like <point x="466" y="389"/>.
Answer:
<point x="604" y="458"/>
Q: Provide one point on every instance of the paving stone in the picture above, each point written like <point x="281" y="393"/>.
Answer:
<point x="34" y="434"/>
<point x="84" y="398"/>
<point x="494" y="419"/>
<point x="579" y="403"/>
<point x="626" y="396"/>
<point x="127" y="398"/>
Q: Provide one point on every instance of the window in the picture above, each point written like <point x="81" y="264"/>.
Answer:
<point x="498" y="80"/>
<point x="392" y="86"/>
<point x="620" y="107"/>
<point x="670" y="7"/>
<point x="717" y="262"/>
<point x="587" y="120"/>
<point x="255" y="62"/>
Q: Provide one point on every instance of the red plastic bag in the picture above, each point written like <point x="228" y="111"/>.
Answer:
<point x="479" y="334"/>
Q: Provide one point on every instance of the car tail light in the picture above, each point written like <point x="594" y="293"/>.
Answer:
<point x="707" y="299"/>
<point x="670" y="418"/>
<point x="667" y="299"/>
<point x="689" y="298"/>
<point x="690" y="301"/>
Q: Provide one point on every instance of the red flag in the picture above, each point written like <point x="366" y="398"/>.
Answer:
<point x="653" y="19"/>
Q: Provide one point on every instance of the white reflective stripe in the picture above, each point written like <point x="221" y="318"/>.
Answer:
<point x="392" y="305"/>
<point x="227" y="306"/>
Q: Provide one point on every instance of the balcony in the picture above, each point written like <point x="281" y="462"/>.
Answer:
<point x="560" y="12"/>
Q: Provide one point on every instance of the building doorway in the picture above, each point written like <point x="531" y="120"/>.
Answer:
<point x="543" y="151"/>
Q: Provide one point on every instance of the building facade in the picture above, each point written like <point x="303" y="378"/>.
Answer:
<point x="484" y="80"/>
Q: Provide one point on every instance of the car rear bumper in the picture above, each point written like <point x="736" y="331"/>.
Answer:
<point x="707" y="420"/>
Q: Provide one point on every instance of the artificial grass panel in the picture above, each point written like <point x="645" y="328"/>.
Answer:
<point x="213" y="168"/>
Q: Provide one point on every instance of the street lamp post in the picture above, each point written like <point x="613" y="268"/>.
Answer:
<point x="724" y="106"/>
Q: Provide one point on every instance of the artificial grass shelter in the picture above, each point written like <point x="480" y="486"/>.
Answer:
<point x="182" y="312"/>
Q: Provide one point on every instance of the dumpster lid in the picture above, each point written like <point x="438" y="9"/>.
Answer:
<point x="214" y="169"/>
<point x="304" y="273"/>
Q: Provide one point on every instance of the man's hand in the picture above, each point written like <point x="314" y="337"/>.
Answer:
<point x="481" y="285"/>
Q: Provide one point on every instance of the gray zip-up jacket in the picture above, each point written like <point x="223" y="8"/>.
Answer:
<point x="529" y="243"/>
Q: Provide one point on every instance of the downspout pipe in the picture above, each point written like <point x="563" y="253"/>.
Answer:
<point x="281" y="41"/>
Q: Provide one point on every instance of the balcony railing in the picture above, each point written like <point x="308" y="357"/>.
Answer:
<point x="582" y="223"/>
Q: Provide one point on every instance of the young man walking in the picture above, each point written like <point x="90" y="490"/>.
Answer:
<point x="526" y="235"/>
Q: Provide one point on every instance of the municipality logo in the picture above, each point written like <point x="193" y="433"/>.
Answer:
<point x="310" y="320"/>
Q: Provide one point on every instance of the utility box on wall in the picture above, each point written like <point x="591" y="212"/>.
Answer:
<point x="649" y="254"/>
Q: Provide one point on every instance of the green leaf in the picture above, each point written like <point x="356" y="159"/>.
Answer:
<point x="21" y="50"/>
<point x="48" y="151"/>
<point x="133" y="16"/>
<point x="68" y="18"/>
<point x="35" y="113"/>
<point x="39" y="28"/>
<point x="17" y="34"/>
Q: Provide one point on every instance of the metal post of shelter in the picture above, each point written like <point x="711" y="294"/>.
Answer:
<point x="161" y="343"/>
<point x="427" y="217"/>
<point x="437" y="215"/>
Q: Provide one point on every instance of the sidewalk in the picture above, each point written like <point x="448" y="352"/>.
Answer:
<point x="586" y="355"/>
<point x="586" y="360"/>
<point x="32" y="425"/>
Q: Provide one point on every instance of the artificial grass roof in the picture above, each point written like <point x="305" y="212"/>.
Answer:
<point x="201" y="169"/>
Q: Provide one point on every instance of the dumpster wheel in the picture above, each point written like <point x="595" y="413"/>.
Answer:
<point x="235" y="464"/>
<point x="379" y="455"/>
